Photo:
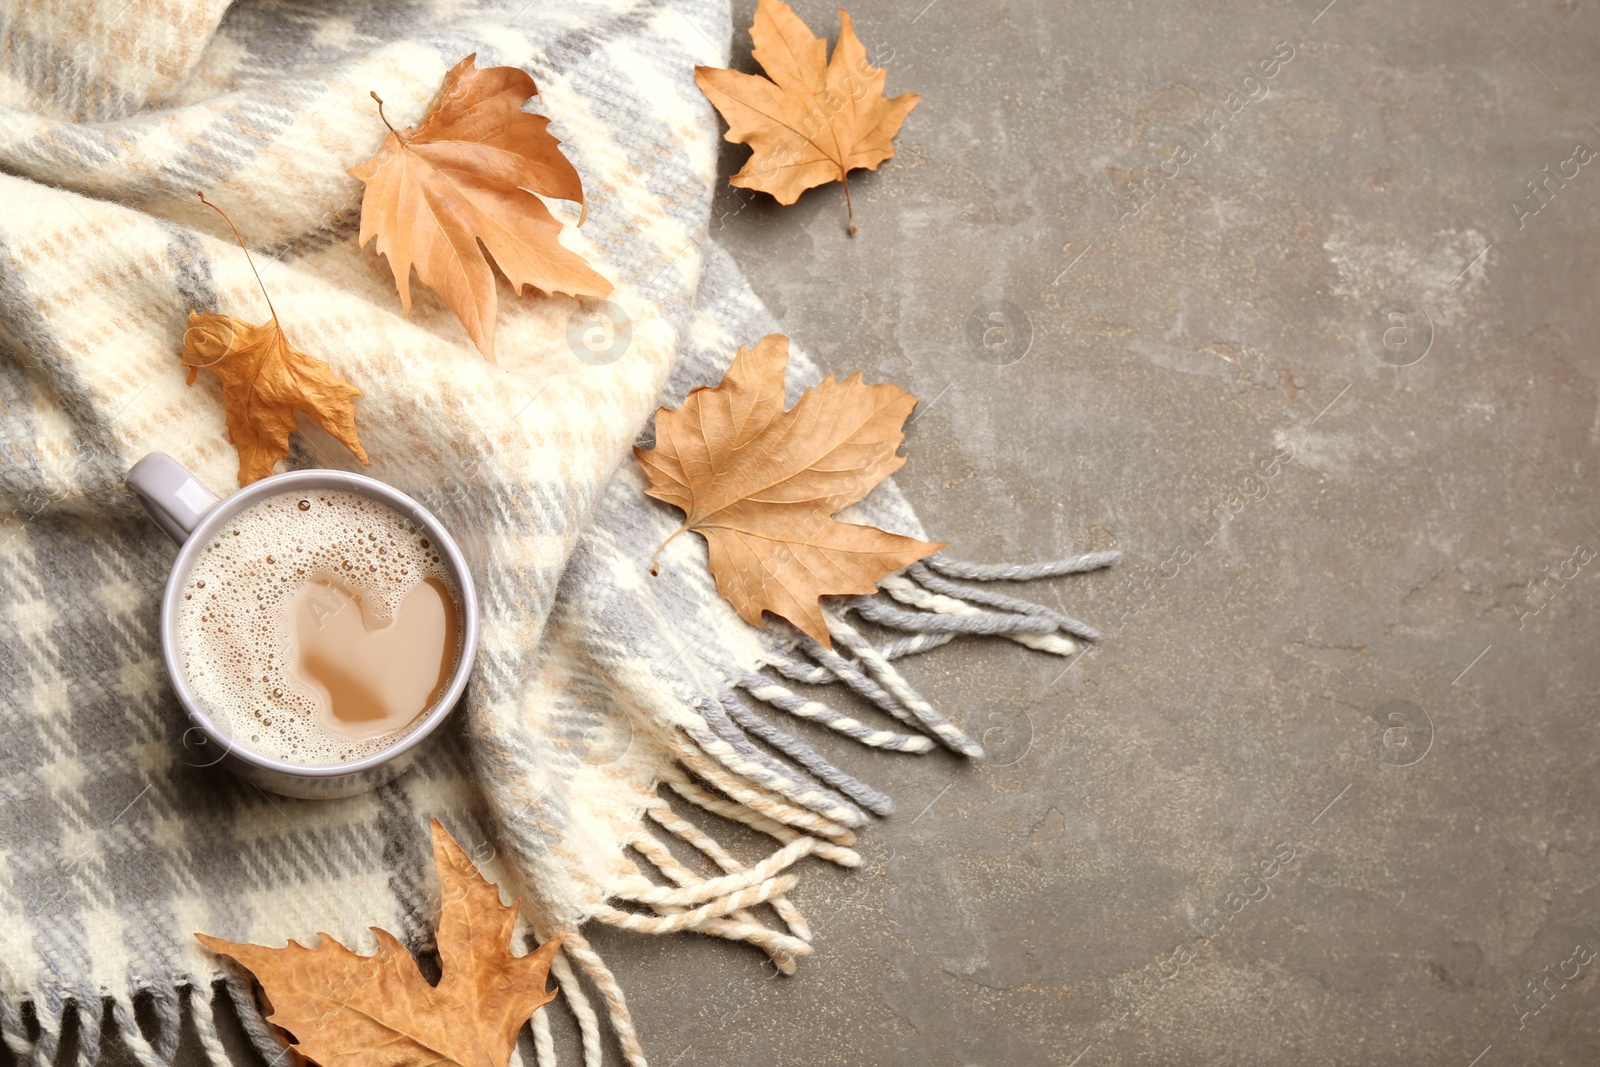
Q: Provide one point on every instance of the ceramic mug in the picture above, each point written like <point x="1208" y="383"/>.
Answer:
<point x="192" y="515"/>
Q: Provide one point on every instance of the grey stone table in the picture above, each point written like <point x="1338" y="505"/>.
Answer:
<point x="1314" y="354"/>
<point x="1312" y="350"/>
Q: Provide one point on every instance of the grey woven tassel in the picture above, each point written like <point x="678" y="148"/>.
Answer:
<point x="975" y="595"/>
<point x="1022" y="572"/>
<point x="807" y="757"/>
<point x="987" y="622"/>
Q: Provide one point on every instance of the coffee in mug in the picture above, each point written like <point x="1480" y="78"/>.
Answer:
<point x="318" y="626"/>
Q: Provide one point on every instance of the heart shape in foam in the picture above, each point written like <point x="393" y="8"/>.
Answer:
<point x="373" y="680"/>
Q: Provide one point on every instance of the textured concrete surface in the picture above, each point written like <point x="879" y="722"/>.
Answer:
<point x="1325" y="640"/>
<point x="1327" y="794"/>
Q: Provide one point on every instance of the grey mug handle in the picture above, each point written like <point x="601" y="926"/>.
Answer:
<point x="173" y="497"/>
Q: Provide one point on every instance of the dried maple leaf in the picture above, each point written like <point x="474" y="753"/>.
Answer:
<point x="467" y="173"/>
<point x="265" y="380"/>
<point x="816" y="119"/>
<point x="345" y="1010"/>
<point x="761" y="484"/>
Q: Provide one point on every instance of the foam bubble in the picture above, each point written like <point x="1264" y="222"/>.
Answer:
<point x="233" y="627"/>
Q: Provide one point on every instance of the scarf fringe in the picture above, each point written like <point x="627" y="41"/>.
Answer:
<point x="807" y="804"/>
<point x="577" y="1002"/>
<point x="544" y="1043"/>
<point x="52" y="1013"/>
<point x="205" y="1025"/>
<point x="269" y="1043"/>
<point x="168" y="1020"/>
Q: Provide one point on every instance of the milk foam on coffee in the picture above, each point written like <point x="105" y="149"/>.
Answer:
<point x="318" y="626"/>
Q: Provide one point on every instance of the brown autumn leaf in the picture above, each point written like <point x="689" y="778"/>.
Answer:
<point x="761" y="484"/>
<point x="467" y="173"/>
<point x="345" y="1010"/>
<point x="812" y="120"/>
<point x="265" y="380"/>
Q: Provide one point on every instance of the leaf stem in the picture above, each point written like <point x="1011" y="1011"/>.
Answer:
<point x="655" y="560"/>
<point x="247" y="258"/>
<point x="850" y="212"/>
<point x="381" y="115"/>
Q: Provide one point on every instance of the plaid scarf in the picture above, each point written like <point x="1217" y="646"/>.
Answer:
<point x="605" y="703"/>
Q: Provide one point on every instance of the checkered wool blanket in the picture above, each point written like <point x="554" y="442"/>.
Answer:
<point x="605" y="705"/>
